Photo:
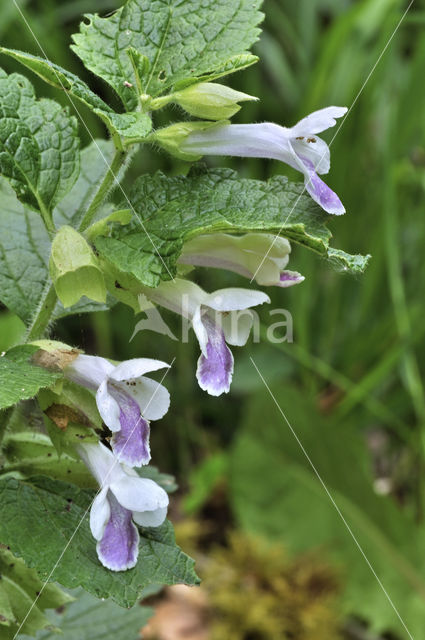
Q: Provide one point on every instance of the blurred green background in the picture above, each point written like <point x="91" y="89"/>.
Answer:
<point x="350" y="383"/>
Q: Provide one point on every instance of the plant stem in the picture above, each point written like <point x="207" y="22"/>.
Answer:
<point x="47" y="217"/>
<point x="108" y="182"/>
<point x="43" y="315"/>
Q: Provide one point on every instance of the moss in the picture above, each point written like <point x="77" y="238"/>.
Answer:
<point x="256" y="593"/>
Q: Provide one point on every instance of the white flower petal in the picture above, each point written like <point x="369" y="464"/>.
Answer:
<point x="150" y="518"/>
<point x="99" y="514"/>
<point x="101" y="462"/>
<point x="181" y="296"/>
<point x="200" y="330"/>
<point x="219" y="250"/>
<point x="151" y="396"/>
<point x="318" y="121"/>
<point x="130" y="369"/>
<point x="265" y="270"/>
<point x="139" y="494"/>
<point x="88" y="371"/>
<point x="314" y="149"/>
<point x="237" y="327"/>
<point x="234" y="298"/>
<point x="108" y="407"/>
<point x="264" y="140"/>
<point x="262" y="255"/>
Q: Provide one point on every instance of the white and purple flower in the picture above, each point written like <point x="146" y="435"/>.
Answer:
<point x="219" y="318"/>
<point x="123" y="500"/>
<point x="298" y="146"/>
<point x="259" y="256"/>
<point x="126" y="399"/>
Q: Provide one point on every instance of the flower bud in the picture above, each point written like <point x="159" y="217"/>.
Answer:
<point x="74" y="268"/>
<point x="210" y="100"/>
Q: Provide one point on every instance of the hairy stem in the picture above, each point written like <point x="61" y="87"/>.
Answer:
<point x="44" y="312"/>
<point x="107" y="183"/>
<point x="47" y="217"/>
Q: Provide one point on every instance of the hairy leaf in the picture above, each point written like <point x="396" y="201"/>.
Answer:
<point x="130" y="127"/>
<point x="120" y="125"/>
<point x="19" y="379"/>
<point x="24" y="255"/>
<point x="291" y="505"/>
<point x="59" y="78"/>
<point x="91" y="619"/>
<point x="179" y="42"/>
<point x="96" y="159"/>
<point x="172" y="210"/>
<point x="38" y="144"/>
<point x="65" y="551"/>
<point x="19" y="588"/>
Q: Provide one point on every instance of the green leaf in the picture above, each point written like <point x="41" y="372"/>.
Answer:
<point x="30" y="453"/>
<point x="19" y="379"/>
<point x="25" y="245"/>
<point x="24" y="255"/>
<point x="27" y="507"/>
<point x="291" y="505"/>
<point x="180" y="43"/>
<point x="136" y="125"/>
<point x="19" y="587"/>
<point x="101" y="227"/>
<point x="12" y="329"/>
<point x="131" y="127"/>
<point x="173" y="210"/>
<point x="96" y="159"/>
<point x="58" y="77"/>
<point x="90" y="619"/>
<point x="38" y="144"/>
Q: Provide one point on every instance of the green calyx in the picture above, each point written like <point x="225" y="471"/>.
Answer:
<point x="74" y="268"/>
<point x="172" y="138"/>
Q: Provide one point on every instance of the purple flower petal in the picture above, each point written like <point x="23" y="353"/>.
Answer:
<point x="131" y="443"/>
<point x="319" y="190"/>
<point x="119" y="547"/>
<point x="289" y="278"/>
<point x="215" y="371"/>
